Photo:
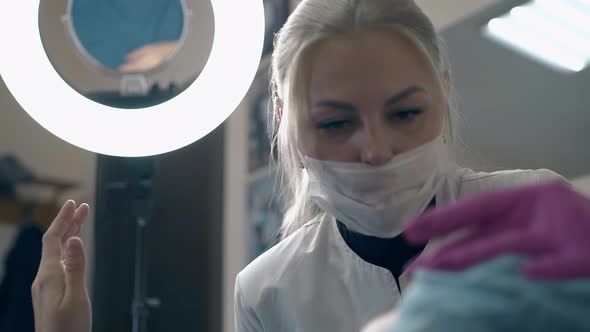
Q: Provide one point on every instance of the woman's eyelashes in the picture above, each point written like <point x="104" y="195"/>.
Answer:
<point x="338" y="125"/>
<point x="405" y="115"/>
<point x="334" y="125"/>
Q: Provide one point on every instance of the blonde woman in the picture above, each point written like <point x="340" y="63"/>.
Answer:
<point x="364" y="128"/>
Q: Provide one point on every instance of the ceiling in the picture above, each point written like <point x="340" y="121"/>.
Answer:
<point x="448" y="12"/>
<point x="514" y="109"/>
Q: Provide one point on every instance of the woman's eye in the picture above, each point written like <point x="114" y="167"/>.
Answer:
<point x="333" y="124"/>
<point x="406" y="115"/>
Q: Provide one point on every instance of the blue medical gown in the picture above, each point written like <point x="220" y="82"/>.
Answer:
<point x="110" y="29"/>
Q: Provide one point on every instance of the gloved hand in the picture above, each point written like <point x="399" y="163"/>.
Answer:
<point x="60" y="296"/>
<point x="548" y="223"/>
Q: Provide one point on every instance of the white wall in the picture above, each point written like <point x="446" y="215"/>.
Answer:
<point x="582" y="184"/>
<point x="444" y="13"/>
<point x="40" y="150"/>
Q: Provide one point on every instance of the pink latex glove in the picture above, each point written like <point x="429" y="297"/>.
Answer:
<point x="549" y="224"/>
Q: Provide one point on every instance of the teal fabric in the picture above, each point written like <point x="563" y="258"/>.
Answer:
<point x="493" y="297"/>
<point x="110" y="29"/>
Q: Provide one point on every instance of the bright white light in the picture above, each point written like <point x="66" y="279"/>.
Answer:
<point x="555" y="32"/>
<point x="220" y="87"/>
<point x="507" y="32"/>
<point x="566" y="12"/>
<point x="585" y="4"/>
<point x="563" y="38"/>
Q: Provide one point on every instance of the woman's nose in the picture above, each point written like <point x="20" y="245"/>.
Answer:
<point x="376" y="148"/>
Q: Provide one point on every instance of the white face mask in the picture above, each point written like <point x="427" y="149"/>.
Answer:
<point x="379" y="200"/>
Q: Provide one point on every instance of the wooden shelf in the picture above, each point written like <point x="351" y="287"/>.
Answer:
<point x="11" y="212"/>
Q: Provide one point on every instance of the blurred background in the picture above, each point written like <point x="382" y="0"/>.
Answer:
<point x="214" y="209"/>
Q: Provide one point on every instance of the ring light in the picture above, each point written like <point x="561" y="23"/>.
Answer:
<point x="211" y="98"/>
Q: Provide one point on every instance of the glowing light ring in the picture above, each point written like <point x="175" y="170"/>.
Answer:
<point x="42" y="93"/>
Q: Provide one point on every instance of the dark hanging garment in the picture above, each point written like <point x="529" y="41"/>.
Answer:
<point x="20" y="268"/>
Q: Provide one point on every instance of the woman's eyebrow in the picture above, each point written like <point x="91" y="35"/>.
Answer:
<point x="404" y="94"/>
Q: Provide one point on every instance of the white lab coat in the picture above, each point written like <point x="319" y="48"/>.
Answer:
<point x="312" y="281"/>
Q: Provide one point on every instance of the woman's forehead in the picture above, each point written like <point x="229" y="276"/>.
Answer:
<point x="370" y="60"/>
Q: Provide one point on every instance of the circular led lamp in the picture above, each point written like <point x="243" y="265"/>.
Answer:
<point x="204" y="105"/>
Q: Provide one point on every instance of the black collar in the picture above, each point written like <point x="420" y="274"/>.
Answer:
<point x="390" y="253"/>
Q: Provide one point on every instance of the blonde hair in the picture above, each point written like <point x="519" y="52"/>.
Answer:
<point x="312" y="22"/>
